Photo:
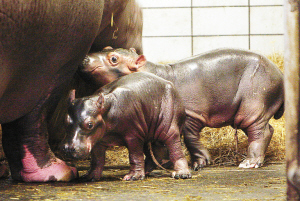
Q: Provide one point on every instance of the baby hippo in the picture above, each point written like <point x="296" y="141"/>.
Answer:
<point x="132" y="111"/>
<point x="219" y="88"/>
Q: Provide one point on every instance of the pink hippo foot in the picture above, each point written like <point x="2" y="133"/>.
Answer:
<point x="57" y="170"/>
<point x="134" y="175"/>
<point x="4" y="172"/>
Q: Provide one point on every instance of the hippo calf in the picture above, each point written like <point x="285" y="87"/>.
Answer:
<point x="219" y="88"/>
<point x="131" y="111"/>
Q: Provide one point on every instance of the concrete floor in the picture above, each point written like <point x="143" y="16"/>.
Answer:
<point x="211" y="183"/>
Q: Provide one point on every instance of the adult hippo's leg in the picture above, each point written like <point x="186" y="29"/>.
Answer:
<point x="25" y="143"/>
<point x="42" y="43"/>
<point x="30" y="164"/>
<point x="259" y="137"/>
<point x="10" y="145"/>
<point x="28" y="153"/>
<point x="191" y="132"/>
<point x="4" y="172"/>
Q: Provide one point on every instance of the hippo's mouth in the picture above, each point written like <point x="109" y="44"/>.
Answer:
<point x="75" y="152"/>
<point x="90" y="70"/>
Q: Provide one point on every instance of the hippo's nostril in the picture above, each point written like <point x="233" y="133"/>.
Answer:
<point x="85" y="62"/>
<point x="66" y="149"/>
<point x="73" y="152"/>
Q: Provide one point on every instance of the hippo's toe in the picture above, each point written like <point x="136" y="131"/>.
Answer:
<point x="134" y="175"/>
<point x="200" y="163"/>
<point x="182" y="174"/>
<point x="252" y="163"/>
<point x="181" y="169"/>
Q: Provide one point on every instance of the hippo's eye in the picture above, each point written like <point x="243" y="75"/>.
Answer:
<point x="89" y="124"/>
<point x="114" y="60"/>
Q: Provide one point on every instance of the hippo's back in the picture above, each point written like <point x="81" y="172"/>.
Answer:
<point x="143" y="101"/>
<point x="144" y="84"/>
<point x="215" y="83"/>
<point x="42" y="42"/>
<point x="222" y="63"/>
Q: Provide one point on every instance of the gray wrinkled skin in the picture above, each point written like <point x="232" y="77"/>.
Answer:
<point x="131" y="111"/>
<point x="219" y="88"/>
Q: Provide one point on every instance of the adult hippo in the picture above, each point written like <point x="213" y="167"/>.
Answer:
<point x="219" y="88"/>
<point x="41" y="44"/>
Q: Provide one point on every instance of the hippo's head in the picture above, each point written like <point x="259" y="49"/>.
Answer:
<point x="84" y="126"/>
<point x="103" y="67"/>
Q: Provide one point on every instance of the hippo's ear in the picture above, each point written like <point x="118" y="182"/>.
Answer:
<point x="141" y="61"/>
<point x="108" y="48"/>
<point x="71" y="96"/>
<point x="100" y="102"/>
<point x="132" y="49"/>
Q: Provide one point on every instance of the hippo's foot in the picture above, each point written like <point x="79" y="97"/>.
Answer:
<point x="134" y="175"/>
<point x="181" y="169"/>
<point x="293" y="174"/>
<point x="54" y="170"/>
<point x="199" y="163"/>
<point x="57" y="171"/>
<point x="4" y="172"/>
<point x="183" y="174"/>
<point x="252" y="162"/>
<point x="92" y="175"/>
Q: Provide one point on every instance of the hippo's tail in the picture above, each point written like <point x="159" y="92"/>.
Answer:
<point x="279" y="112"/>
<point x="154" y="159"/>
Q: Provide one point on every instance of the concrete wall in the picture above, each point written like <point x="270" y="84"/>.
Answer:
<point x="176" y="29"/>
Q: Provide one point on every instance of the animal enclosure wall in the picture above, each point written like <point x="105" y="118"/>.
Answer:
<point x="176" y="29"/>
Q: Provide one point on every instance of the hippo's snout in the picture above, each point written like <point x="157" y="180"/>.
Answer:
<point x="70" y="151"/>
<point x="84" y="63"/>
<point x="91" y="63"/>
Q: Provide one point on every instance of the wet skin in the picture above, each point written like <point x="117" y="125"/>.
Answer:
<point x="219" y="88"/>
<point x="42" y="44"/>
<point x="131" y="111"/>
